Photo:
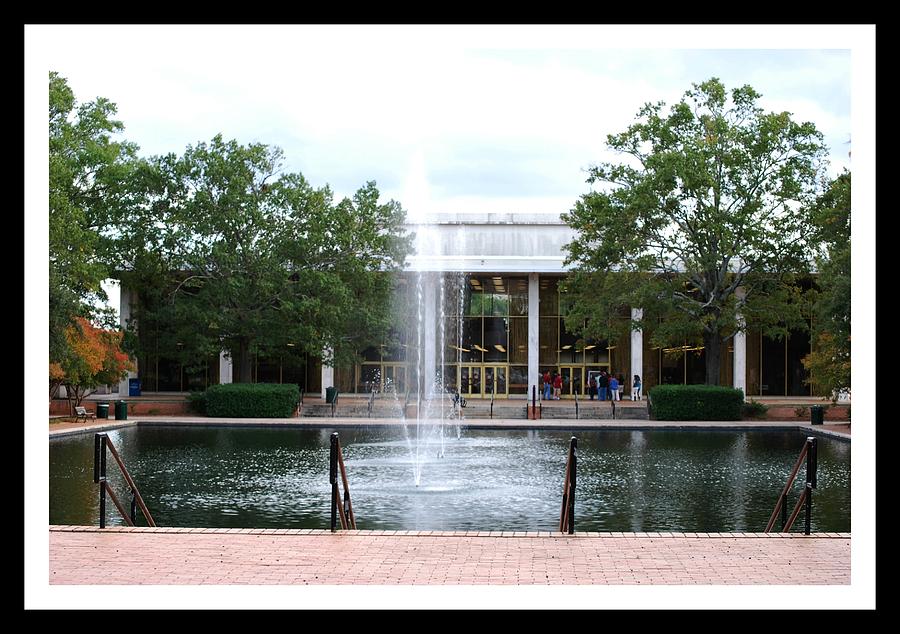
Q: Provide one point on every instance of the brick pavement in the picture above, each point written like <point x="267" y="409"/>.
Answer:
<point x="171" y="556"/>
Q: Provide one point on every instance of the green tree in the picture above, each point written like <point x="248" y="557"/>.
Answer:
<point x="708" y="200"/>
<point x="88" y="177"/>
<point x="829" y="361"/>
<point x="250" y="261"/>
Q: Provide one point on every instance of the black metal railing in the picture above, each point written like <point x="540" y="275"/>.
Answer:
<point x="492" y="402"/>
<point x="810" y="452"/>
<point x="334" y="403"/>
<point x="370" y="405"/>
<point x="300" y="403"/>
<point x="102" y="444"/>
<point x="340" y="506"/>
<point x="567" y="513"/>
<point x="576" y="405"/>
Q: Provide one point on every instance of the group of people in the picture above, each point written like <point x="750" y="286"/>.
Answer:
<point x="553" y="383"/>
<point x="605" y="386"/>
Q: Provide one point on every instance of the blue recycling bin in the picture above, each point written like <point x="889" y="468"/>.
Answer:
<point x="134" y="387"/>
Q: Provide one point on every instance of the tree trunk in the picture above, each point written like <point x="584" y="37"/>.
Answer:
<point x="713" y="346"/>
<point x="245" y="374"/>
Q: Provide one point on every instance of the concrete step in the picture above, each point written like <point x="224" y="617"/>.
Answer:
<point x="480" y="409"/>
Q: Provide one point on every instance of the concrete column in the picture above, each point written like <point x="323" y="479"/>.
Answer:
<point x="534" y="377"/>
<point x="429" y="357"/>
<point x="327" y="373"/>
<point x="125" y="300"/>
<point x="226" y="368"/>
<point x="637" y="351"/>
<point x="740" y="351"/>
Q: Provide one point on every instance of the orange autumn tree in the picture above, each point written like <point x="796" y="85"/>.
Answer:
<point x="95" y="358"/>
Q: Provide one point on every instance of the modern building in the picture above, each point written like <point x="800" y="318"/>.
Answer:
<point x="481" y="305"/>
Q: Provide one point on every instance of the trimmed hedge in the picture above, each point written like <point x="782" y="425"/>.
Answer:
<point x="696" y="402"/>
<point x="755" y="409"/>
<point x="197" y="402"/>
<point x="252" y="400"/>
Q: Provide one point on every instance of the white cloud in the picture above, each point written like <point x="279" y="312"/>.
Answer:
<point x="349" y="104"/>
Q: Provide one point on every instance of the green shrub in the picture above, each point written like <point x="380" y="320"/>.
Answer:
<point x="252" y="400"/>
<point x="801" y="412"/>
<point x="755" y="409"/>
<point x="696" y="402"/>
<point x="197" y="402"/>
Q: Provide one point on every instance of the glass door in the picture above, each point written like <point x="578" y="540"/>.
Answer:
<point x="495" y="379"/>
<point x="573" y="380"/>
<point x="394" y="378"/>
<point x="470" y="380"/>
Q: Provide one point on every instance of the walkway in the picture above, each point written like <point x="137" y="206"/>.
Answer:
<point x="124" y="555"/>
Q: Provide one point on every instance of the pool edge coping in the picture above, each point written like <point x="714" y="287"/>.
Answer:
<point x="510" y="424"/>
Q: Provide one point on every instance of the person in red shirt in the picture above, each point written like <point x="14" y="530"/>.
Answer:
<point x="557" y="387"/>
<point x="547" y="385"/>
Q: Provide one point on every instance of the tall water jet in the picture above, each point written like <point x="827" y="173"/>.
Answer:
<point x="427" y="323"/>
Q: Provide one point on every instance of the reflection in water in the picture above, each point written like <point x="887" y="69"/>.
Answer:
<point x="487" y="480"/>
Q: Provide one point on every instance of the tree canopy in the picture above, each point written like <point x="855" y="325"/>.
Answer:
<point x="702" y="225"/>
<point x="232" y="254"/>
<point x="829" y="361"/>
<point x="88" y="177"/>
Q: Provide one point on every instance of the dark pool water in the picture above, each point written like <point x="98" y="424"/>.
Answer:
<point x="692" y="481"/>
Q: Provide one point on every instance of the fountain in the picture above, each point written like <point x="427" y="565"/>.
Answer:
<point x="435" y="328"/>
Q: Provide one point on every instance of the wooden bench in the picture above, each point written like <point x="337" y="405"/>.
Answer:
<point x="81" y="414"/>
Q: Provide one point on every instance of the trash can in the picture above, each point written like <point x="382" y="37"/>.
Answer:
<point x="134" y="387"/>
<point x="817" y="414"/>
<point x="330" y="393"/>
<point x="102" y="410"/>
<point x="121" y="410"/>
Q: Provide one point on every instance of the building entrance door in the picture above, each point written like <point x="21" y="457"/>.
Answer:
<point x="572" y="379"/>
<point x="470" y="380"/>
<point x="495" y="381"/>
<point x="394" y="378"/>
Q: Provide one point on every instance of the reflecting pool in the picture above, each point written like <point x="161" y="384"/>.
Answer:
<point x="691" y="481"/>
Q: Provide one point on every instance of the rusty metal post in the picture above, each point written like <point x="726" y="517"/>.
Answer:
<point x="573" y="468"/>
<point x="332" y="477"/>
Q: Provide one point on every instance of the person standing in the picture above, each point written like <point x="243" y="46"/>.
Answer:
<point x="613" y="388"/>
<point x="557" y="387"/>
<point x="636" y="388"/>
<point x="592" y="386"/>
<point x="547" y="385"/>
<point x="621" y="387"/>
<point x="602" y="384"/>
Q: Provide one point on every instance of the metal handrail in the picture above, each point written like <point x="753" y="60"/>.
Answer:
<point x="810" y="452"/>
<point x="101" y="445"/>
<point x="342" y="507"/>
<point x="371" y="405"/>
<point x="613" y="402"/>
<point x="576" y="405"/>
<point x="492" y="401"/>
<point x="567" y="513"/>
<point x="300" y="403"/>
<point x="334" y="402"/>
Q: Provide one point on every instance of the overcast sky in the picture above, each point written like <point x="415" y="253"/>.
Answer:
<point x="443" y="119"/>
